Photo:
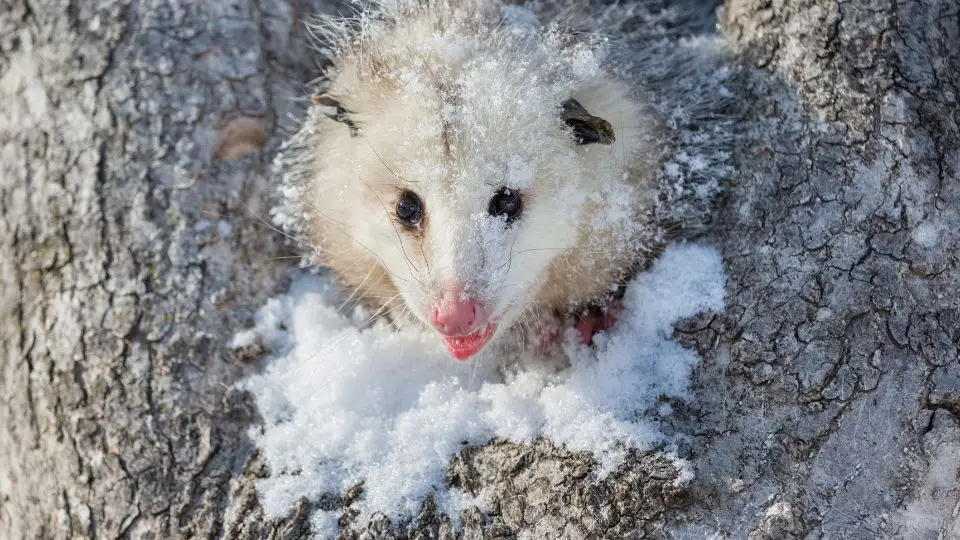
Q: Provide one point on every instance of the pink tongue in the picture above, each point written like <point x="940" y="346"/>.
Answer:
<point x="463" y="347"/>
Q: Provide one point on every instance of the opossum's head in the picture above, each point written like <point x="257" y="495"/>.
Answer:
<point x="465" y="177"/>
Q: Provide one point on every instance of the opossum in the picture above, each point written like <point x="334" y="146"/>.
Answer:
<point x="476" y="170"/>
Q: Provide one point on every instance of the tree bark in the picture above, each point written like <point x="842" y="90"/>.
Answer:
<point x="834" y="374"/>
<point x="130" y="251"/>
<point x="135" y="148"/>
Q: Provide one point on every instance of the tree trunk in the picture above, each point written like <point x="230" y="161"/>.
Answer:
<point x="129" y="253"/>
<point x="135" y="146"/>
<point x="833" y="379"/>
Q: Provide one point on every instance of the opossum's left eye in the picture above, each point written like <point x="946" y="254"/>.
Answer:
<point x="409" y="209"/>
<point x="506" y="203"/>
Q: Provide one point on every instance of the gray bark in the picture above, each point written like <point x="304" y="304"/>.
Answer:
<point x="116" y="417"/>
<point x="828" y="403"/>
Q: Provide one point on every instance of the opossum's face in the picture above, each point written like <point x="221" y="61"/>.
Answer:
<point x="468" y="255"/>
<point x="465" y="194"/>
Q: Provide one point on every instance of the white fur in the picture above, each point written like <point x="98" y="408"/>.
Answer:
<point x="453" y="101"/>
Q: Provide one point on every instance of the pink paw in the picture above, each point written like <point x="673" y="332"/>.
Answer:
<point x="549" y="334"/>
<point x="594" y="321"/>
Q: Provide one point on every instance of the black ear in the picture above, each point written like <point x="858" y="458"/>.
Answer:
<point x="341" y="114"/>
<point x="586" y="128"/>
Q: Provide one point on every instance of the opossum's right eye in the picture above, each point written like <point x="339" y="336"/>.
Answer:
<point x="409" y="209"/>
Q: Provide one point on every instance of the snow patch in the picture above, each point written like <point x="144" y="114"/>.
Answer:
<point x="344" y="401"/>
<point x="934" y="510"/>
<point x="520" y="172"/>
<point x="927" y="234"/>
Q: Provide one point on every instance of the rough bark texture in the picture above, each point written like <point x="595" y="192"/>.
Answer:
<point x="128" y="253"/>
<point x="135" y="139"/>
<point x="833" y="377"/>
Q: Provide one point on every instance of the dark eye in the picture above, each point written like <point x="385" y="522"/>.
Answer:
<point x="409" y="209"/>
<point x="507" y="203"/>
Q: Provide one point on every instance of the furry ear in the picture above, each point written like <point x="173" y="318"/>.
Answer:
<point x="586" y="127"/>
<point x="341" y="115"/>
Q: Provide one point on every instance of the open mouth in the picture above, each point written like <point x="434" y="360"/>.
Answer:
<point x="463" y="347"/>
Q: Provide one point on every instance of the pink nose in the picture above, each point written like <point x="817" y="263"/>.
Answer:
<point x="455" y="316"/>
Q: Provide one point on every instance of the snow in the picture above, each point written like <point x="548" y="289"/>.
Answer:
<point x="520" y="172"/>
<point x="344" y="401"/>
<point x="932" y="513"/>
<point x="927" y="234"/>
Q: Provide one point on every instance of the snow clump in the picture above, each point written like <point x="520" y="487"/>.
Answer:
<point x="344" y="401"/>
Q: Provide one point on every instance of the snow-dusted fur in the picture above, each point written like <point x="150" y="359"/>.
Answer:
<point x="455" y="100"/>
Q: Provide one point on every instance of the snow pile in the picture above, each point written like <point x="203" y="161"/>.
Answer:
<point x="345" y="402"/>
